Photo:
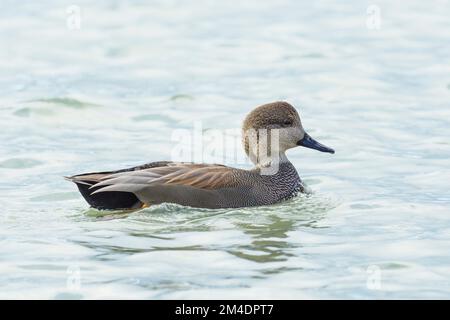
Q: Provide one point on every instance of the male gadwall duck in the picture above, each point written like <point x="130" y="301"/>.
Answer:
<point x="268" y="131"/>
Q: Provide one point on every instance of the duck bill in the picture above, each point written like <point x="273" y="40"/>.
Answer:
<point x="309" y="142"/>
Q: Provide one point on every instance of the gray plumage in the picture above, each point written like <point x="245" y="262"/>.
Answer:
<point x="273" y="179"/>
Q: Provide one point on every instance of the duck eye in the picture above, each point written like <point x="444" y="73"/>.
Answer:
<point x="287" y="123"/>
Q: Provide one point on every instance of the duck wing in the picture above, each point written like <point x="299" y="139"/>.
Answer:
<point x="197" y="185"/>
<point x="111" y="200"/>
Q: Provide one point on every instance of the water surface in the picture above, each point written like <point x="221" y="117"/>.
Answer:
<point x="111" y="94"/>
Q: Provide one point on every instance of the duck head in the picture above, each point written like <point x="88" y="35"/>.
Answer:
<point x="271" y="129"/>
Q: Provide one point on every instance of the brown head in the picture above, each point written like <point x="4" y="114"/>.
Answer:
<point x="274" y="128"/>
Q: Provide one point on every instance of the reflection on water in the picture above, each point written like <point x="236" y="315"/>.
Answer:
<point x="110" y="95"/>
<point x="266" y="230"/>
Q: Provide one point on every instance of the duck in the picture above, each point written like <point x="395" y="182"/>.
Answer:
<point x="268" y="131"/>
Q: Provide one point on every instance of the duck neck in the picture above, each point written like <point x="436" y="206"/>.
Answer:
<point x="281" y="178"/>
<point x="271" y="165"/>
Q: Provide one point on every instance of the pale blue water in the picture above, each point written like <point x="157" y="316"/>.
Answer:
<point x="111" y="94"/>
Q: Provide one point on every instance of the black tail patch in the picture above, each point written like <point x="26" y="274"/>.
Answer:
<point x="111" y="200"/>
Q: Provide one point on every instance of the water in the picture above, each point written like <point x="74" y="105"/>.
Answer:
<point x="110" y="95"/>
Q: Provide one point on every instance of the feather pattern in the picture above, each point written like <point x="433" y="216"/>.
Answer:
<point x="211" y="185"/>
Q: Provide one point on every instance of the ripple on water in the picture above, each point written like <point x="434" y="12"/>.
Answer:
<point x="46" y="106"/>
<point x="20" y="163"/>
<point x="256" y="234"/>
<point x="298" y="208"/>
<point x="28" y="111"/>
<point x="154" y="117"/>
<point x="57" y="196"/>
<point x="181" y="97"/>
<point x="65" y="102"/>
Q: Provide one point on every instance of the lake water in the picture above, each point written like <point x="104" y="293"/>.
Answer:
<point x="108" y="88"/>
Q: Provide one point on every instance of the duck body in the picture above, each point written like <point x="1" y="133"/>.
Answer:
<point x="273" y="179"/>
<point x="241" y="188"/>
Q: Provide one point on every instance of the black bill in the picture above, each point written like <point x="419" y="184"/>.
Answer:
<point x="309" y="142"/>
